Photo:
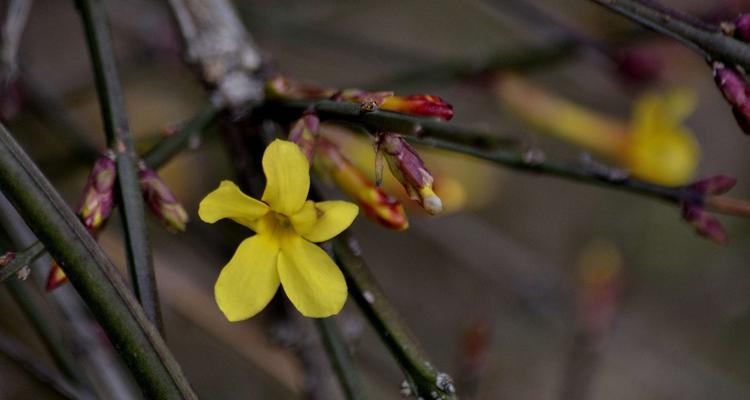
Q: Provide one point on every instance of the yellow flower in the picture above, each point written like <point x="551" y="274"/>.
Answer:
<point x="281" y="252"/>
<point x="654" y="145"/>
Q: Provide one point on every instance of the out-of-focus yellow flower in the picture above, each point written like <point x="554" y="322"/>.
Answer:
<point x="654" y="145"/>
<point x="281" y="252"/>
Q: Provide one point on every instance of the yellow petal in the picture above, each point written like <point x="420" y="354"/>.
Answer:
<point x="250" y="279"/>
<point x="318" y="222"/>
<point x="311" y="280"/>
<point x="228" y="201"/>
<point x="287" y="177"/>
<point x="661" y="150"/>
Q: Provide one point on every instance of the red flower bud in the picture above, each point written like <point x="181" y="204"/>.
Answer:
<point x="97" y="200"/>
<point x="161" y="201"/>
<point x="741" y="27"/>
<point x="736" y="91"/>
<point x="704" y="223"/>
<point x="56" y="277"/>
<point x="419" y="104"/>
<point x="377" y="205"/>
<point x="304" y="133"/>
<point x="406" y="165"/>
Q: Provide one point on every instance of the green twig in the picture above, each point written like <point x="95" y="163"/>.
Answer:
<point x="15" y="351"/>
<point x="92" y="274"/>
<point x="168" y="147"/>
<point x="130" y="199"/>
<point x="386" y="121"/>
<point x="704" y="38"/>
<point x="423" y="379"/>
<point x="22" y="259"/>
<point x="341" y="360"/>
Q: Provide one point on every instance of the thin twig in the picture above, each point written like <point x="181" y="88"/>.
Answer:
<point x="22" y="259"/>
<point x="706" y="39"/>
<point x="338" y="353"/>
<point x="91" y="273"/>
<point x="114" y="115"/>
<point x="15" y="351"/>
<point x="170" y="146"/>
<point x="386" y="121"/>
<point x="422" y="378"/>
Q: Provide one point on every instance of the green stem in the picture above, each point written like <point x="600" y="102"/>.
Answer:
<point x="92" y="274"/>
<point x="705" y="39"/>
<point x="341" y="360"/>
<point x="168" y="147"/>
<point x="423" y="378"/>
<point x="22" y="259"/>
<point x="583" y="174"/>
<point x="114" y="115"/>
<point x="15" y="351"/>
<point x="386" y="121"/>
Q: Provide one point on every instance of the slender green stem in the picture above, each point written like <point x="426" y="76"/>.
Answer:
<point x="424" y="380"/>
<point x="114" y="115"/>
<point x="607" y="177"/>
<point x="15" y="351"/>
<point x="341" y="360"/>
<point x="168" y="147"/>
<point x="386" y="121"/>
<point x="92" y="274"/>
<point x="705" y="39"/>
<point x="22" y="259"/>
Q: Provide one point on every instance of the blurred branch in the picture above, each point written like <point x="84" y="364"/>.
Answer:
<point x="338" y="353"/>
<point x="385" y="121"/>
<point x="170" y="146"/>
<point x="91" y="273"/>
<point x="423" y="379"/>
<point x="130" y="198"/>
<point x="704" y="38"/>
<point x="22" y="259"/>
<point x="51" y="379"/>
<point x="16" y="15"/>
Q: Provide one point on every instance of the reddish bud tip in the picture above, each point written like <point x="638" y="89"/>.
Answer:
<point x="635" y="65"/>
<point x="161" y="201"/>
<point x="715" y="185"/>
<point x="741" y="26"/>
<point x="305" y="134"/>
<point x="420" y="104"/>
<point x="704" y="223"/>
<point x="56" y="277"/>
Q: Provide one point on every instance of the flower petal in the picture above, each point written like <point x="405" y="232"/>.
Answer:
<point x="318" y="222"/>
<point x="250" y="279"/>
<point x="311" y="280"/>
<point x="287" y="177"/>
<point x="228" y="201"/>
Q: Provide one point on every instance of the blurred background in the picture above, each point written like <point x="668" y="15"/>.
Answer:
<point x="528" y="288"/>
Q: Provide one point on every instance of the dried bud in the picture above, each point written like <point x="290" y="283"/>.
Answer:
<point x="161" y="201"/>
<point x="98" y="194"/>
<point x="419" y="104"/>
<point x="377" y="205"/>
<point x="704" y="223"/>
<point x="741" y="27"/>
<point x="56" y="277"/>
<point x="406" y="165"/>
<point x="736" y="91"/>
<point x="282" y="87"/>
<point x="305" y="133"/>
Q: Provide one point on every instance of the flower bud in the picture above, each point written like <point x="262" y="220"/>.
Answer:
<point x="704" y="223"/>
<point x="406" y="165"/>
<point x="56" y="277"/>
<point x="304" y="134"/>
<point x="741" y="27"/>
<point x="736" y="91"/>
<point x="161" y="201"/>
<point x="419" y="104"/>
<point x="377" y="205"/>
<point x="98" y="194"/>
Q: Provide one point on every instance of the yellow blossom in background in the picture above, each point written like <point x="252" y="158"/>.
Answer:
<point x="653" y="145"/>
<point x="281" y="252"/>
